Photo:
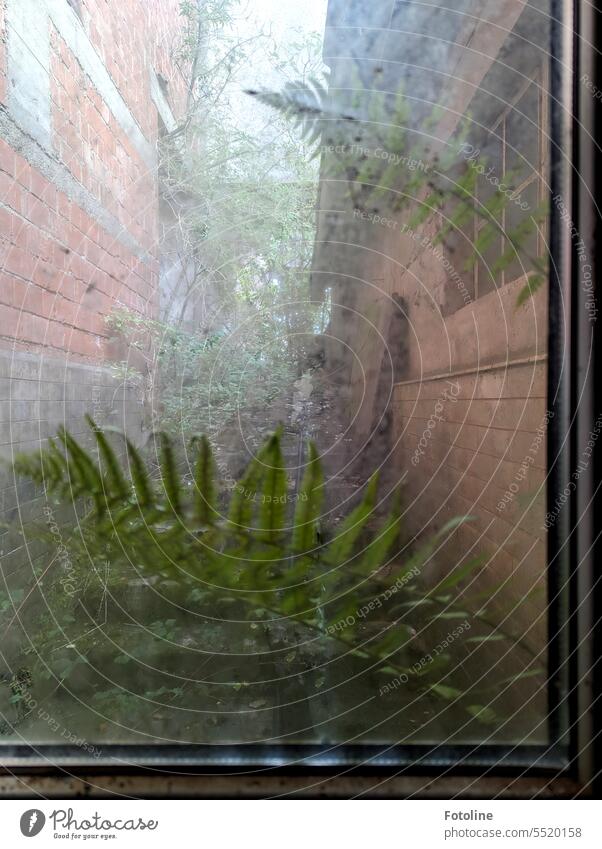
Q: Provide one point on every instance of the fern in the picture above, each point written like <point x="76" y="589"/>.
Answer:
<point x="533" y="284"/>
<point x="140" y="477"/>
<point x="309" y="502"/>
<point x="205" y="491"/>
<point x="114" y="483"/>
<point x="273" y="501"/>
<point x="173" y="532"/>
<point x="240" y="514"/>
<point x="170" y="475"/>
<point x="349" y="531"/>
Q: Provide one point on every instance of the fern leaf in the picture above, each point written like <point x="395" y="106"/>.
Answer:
<point x="458" y="575"/>
<point x="342" y="545"/>
<point x="57" y="461"/>
<point x="302" y="103"/>
<point x="205" y="491"/>
<point x="378" y="549"/>
<point x="46" y="467"/>
<point x="309" y="504"/>
<point x="273" y="496"/>
<point x="115" y="484"/>
<point x="487" y="236"/>
<point x="36" y="467"/>
<point x="432" y="203"/>
<point x="244" y="496"/>
<point x="396" y="636"/>
<point x="87" y="477"/>
<point x="169" y="474"/>
<point x="140" y="477"/>
<point x="534" y="282"/>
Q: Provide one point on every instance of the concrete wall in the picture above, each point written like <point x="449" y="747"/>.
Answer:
<point x="470" y="429"/>
<point x="44" y="394"/>
<point x="401" y="338"/>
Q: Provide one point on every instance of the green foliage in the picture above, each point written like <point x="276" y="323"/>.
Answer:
<point x="409" y="179"/>
<point x="253" y="190"/>
<point x="534" y="283"/>
<point x="244" y="551"/>
<point x="241" y="200"/>
<point x="204" y="484"/>
<point x="309" y="503"/>
<point x="170" y="529"/>
<point x="199" y="381"/>
<point x="10" y="601"/>
<point x="304" y="104"/>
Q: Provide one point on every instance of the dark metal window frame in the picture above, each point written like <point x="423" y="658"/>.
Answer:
<point x="570" y="754"/>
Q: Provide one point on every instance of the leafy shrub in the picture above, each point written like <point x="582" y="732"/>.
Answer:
<point x="192" y="381"/>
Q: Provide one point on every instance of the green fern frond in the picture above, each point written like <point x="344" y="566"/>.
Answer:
<point x="85" y="474"/>
<point x="250" y="551"/>
<point x="40" y="468"/>
<point x="533" y="284"/>
<point x="53" y="468"/>
<point x="205" y="493"/>
<point x="244" y="496"/>
<point x="432" y="203"/>
<point x="301" y="102"/>
<point x="140" y="477"/>
<point x="169" y="474"/>
<point x="340" y="548"/>
<point x="273" y="496"/>
<point x="309" y="503"/>
<point x="377" y="551"/>
<point x="114" y="483"/>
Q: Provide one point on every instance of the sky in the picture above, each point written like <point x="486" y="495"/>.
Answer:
<point x="286" y="20"/>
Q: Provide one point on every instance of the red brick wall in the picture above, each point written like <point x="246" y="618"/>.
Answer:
<point x="61" y="272"/>
<point x="78" y="233"/>
<point x="483" y="453"/>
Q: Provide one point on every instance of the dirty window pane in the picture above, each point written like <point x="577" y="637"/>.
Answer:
<point x="273" y="367"/>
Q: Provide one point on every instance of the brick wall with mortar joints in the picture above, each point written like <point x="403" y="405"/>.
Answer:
<point x="60" y="272"/>
<point x="153" y="30"/>
<point x="97" y="151"/>
<point x="130" y="38"/>
<point x="57" y="297"/>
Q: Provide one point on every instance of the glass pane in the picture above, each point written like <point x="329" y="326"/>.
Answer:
<point x="290" y="261"/>
<point x="523" y="137"/>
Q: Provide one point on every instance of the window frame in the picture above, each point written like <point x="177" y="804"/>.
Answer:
<point x="570" y="756"/>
